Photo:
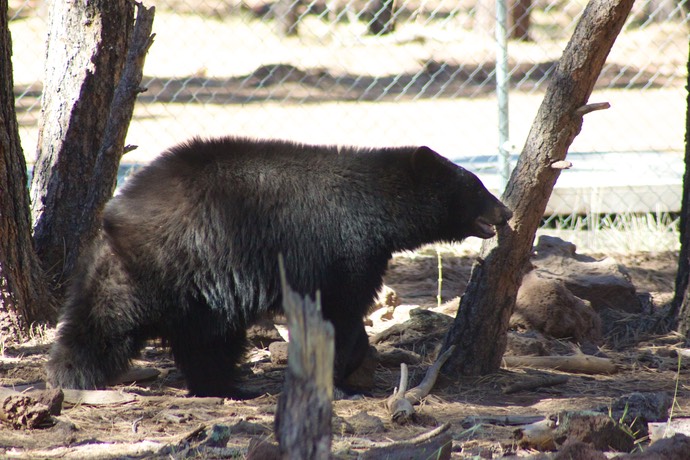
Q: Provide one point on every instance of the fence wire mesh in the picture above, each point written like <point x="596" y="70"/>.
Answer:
<point x="394" y="72"/>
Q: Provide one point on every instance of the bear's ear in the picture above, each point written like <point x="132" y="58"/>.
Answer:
<point x="424" y="159"/>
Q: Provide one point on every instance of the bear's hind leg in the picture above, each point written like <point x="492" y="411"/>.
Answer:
<point x="101" y="327"/>
<point x="88" y="359"/>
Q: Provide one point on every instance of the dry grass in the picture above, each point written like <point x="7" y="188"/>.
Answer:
<point x="619" y="234"/>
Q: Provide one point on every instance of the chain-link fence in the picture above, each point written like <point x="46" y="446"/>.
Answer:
<point x="391" y="72"/>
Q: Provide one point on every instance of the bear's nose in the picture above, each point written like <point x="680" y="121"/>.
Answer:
<point x="507" y="214"/>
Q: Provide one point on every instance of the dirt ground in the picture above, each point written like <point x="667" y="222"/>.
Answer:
<point x="154" y="419"/>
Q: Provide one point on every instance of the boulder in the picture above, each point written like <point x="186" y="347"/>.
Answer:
<point x="604" y="283"/>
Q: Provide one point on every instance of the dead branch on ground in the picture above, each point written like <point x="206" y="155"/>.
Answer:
<point x="400" y="404"/>
<point x="577" y="364"/>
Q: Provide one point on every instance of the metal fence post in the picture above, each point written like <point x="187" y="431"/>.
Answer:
<point x="502" y="82"/>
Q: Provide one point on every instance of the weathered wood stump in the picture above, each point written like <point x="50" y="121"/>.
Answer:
<point x="303" y="420"/>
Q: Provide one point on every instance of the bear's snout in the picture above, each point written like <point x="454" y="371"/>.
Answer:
<point x="498" y="215"/>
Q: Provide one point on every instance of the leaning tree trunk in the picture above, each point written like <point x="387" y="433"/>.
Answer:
<point x="680" y="307"/>
<point x="480" y="327"/>
<point x="23" y="293"/>
<point x="94" y="66"/>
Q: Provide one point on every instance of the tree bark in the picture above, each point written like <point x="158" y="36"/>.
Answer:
<point x="381" y="17"/>
<point x="303" y="419"/>
<point x="519" y="19"/>
<point x="680" y="307"/>
<point x="24" y="295"/>
<point x="480" y="327"/>
<point x="88" y="99"/>
<point x="287" y="16"/>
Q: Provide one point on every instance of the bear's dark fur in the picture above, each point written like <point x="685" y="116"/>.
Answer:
<point x="189" y="250"/>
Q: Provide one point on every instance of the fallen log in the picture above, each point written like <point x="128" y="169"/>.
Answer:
<point x="534" y="383"/>
<point x="576" y="364"/>
<point x="501" y="420"/>
<point x="98" y="397"/>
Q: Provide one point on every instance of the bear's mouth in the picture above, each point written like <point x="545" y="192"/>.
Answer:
<point x="483" y="228"/>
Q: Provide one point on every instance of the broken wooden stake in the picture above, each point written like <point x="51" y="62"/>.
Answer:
<point x="303" y="418"/>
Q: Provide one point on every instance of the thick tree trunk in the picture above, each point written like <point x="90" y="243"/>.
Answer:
<point x="480" y="328"/>
<point x="287" y="16"/>
<point x="23" y="293"/>
<point x="84" y="122"/>
<point x="381" y="17"/>
<point x="519" y="12"/>
<point x="303" y="419"/>
<point x="680" y="308"/>
<point x="519" y="19"/>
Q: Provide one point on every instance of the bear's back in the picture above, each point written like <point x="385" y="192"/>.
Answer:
<point x="259" y="177"/>
<point x="237" y="203"/>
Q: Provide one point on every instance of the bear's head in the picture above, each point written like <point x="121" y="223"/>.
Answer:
<point x="472" y="209"/>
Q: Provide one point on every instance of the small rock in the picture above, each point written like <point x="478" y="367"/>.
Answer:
<point x="673" y="448"/>
<point x="530" y="343"/>
<point x="340" y="427"/>
<point x="52" y="398"/>
<point x="547" y="306"/>
<point x="387" y="298"/>
<point x="217" y="436"/>
<point x="263" y="333"/>
<point x="363" y="423"/>
<point x="279" y="353"/>
<point x="577" y="450"/>
<point x="599" y="430"/>
<point x="604" y="283"/>
<point x="261" y="449"/>
<point x="638" y="409"/>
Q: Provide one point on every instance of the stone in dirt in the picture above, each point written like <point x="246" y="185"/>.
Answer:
<point x="673" y="448"/>
<point x="364" y="423"/>
<point x="637" y="409"/>
<point x="604" y="283"/>
<point x="597" y="430"/>
<point x="546" y="305"/>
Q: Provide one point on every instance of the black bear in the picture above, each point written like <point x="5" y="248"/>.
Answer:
<point x="189" y="250"/>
